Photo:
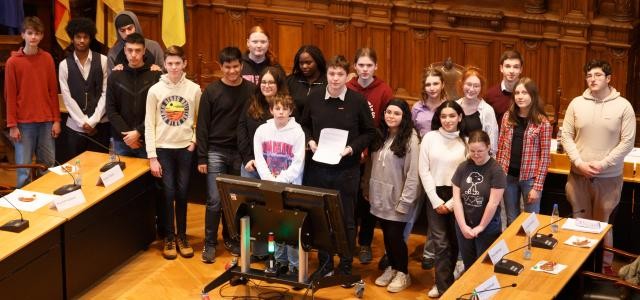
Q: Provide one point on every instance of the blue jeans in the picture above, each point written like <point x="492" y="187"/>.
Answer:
<point x="35" y="137"/>
<point x="176" y="169"/>
<point x="218" y="162"/>
<point x="124" y="150"/>
<point x="471" y="249"/>
<point x="512" y="193"/>
<point x="287" y="254"/>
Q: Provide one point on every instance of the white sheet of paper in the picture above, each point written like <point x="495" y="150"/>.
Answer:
<point x="40" y="200"/>
<point x="570" y="224"/>
<point x="575" y="238"/>
<point x="330" y="146"/>
<point x="112" y="175"/>
<point x="586" y="223"/>
<point x="69" y="200"/>
<point x="58" y="169"/>
<point x="498" y="251"/>
<point x="556" y="269"/>
<point x="482" y="289"/>
<point x="531" y="223"/>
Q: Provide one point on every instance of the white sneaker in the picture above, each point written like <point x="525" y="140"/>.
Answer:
<point x="400" y="282"/>
<point x="386" y="277"/>
<point x="458" y="270"/>
<point x="434" y="293"/>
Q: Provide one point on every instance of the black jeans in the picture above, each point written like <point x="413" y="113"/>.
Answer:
<point x="443" y="235"/>
<point x="363" y="209"/>
<point x="176" y="169"/>
<point x="76" y="143"/>
<point x="346" y="181"/>
<point x="394" y="244"/>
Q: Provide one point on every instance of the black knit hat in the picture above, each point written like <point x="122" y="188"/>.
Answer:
<point x="123" y="20"/>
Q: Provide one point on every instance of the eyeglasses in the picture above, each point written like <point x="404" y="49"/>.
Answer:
<point x="596" y="75"/>
<point x="265" y="82"/>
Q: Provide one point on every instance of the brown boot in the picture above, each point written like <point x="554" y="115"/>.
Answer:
<point x="184" y="248"/>
<point x="169" y="249"/>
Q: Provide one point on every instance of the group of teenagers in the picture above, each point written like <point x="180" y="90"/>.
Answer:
<point x="457" y="159"/>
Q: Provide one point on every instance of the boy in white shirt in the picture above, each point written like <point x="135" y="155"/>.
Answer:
<point x="279" y="153"/>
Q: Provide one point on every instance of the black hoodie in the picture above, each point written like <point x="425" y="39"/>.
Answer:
<point x="127" y="98"/>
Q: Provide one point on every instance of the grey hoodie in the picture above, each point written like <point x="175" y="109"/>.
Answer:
<point x="152" y="47"/>
<point x="599" y="130"/>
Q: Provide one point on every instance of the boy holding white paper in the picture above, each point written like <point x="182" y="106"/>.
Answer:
<point x="340" y="108"/>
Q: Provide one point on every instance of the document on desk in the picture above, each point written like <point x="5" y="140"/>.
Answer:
<point x="27" y="200"/>
<point x="570" y="224"/>
<point x="487" y="289"/>
<point x="330" y="146"/>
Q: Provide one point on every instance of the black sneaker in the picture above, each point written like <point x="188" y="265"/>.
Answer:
<point x="232" y="247"/>
<point x="208" y="254"/>
<point x="383" y="263"/>
<point x="319" y="273"/>
<point x="365" y="255"/>
<point x="427" y="263"/>
<point x="345" y="271"/>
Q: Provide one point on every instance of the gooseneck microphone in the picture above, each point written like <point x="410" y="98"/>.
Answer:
<point x="15" y="225"/>
<point x="507" y="266"/>
<point x="474" y="294"/>
<point x="110" y="164"/>
<point x="547" y="241"/>
<point x="67" y="188"/>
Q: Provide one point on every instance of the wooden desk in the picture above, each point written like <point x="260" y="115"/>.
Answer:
<point x="112" y="225"/>
<point x="531" y="284"/>
<point x="31" y="261"/>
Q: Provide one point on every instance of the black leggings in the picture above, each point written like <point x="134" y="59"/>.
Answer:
<point x="395" y="245"/>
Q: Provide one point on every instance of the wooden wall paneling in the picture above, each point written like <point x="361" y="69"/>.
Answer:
<point x="549" y="82"/>
<point x="380" y="41"/>
<point x="149" y="13"/>
<point x="572" y="82"/>
<point x="619" y="60"/>
<point x="236" y="28"/>
<point x="476" y="51"/>
<point x="289" y="37"/>
<point x="401" y="58"/>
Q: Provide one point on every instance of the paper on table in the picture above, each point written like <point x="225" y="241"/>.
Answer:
<point x="40" y="200"/>
<point x="576" y="239"/>
<point x="556" y="269"/>
<point x="58" y="169"/>
<point x="570" y="224"/>
<point x="330" y="146"/>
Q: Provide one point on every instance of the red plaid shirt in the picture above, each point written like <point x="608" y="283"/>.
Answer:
<point x="535" y="150"/>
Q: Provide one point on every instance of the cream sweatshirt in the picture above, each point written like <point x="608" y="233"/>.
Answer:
<point x="599" y="130"/>
<point x="171" y="113"/>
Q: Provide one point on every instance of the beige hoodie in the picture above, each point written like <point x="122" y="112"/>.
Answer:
<point x="599" y="130"/>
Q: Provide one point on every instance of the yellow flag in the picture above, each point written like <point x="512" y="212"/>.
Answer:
<point x="173" y="23"/>
<point x="61" y="19"/>
<point x="112" y="8"/>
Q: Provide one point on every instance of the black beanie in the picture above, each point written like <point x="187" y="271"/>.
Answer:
<point x="123" y="20"/>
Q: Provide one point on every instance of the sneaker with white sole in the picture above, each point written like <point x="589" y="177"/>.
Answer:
<point x="400" y="282"/>
<point x="386" y="277"/>
<point x="458" y="270"/>
<point x="434" y="293"/>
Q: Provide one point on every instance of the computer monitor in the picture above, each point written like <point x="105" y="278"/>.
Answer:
<point x="283" y="208"/>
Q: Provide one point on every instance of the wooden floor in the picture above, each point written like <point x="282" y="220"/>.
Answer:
<point x="148" y="275"/>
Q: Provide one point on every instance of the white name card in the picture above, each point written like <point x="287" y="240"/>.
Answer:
<point x="498" y="251"/>
<point x="111" y="176"/>
<point x="487" y="289"/>
<point x="69" y="200"/>
<point x="586" y="223"/>
<point x="531" y="223"/>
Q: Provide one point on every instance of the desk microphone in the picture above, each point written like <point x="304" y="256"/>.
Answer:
<point x="111" y="163"/>
<point x="15" y="225"/>
<point x="67" y="188"/>
<point x="546" y="241"/>
<point x="507" y="266"/>
<point x="474" y="294"/>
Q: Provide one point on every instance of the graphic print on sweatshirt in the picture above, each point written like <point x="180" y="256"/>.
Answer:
<point x="278" y="155"/>
<point x="471" y="196"/>
<point x="174" y="110"/>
